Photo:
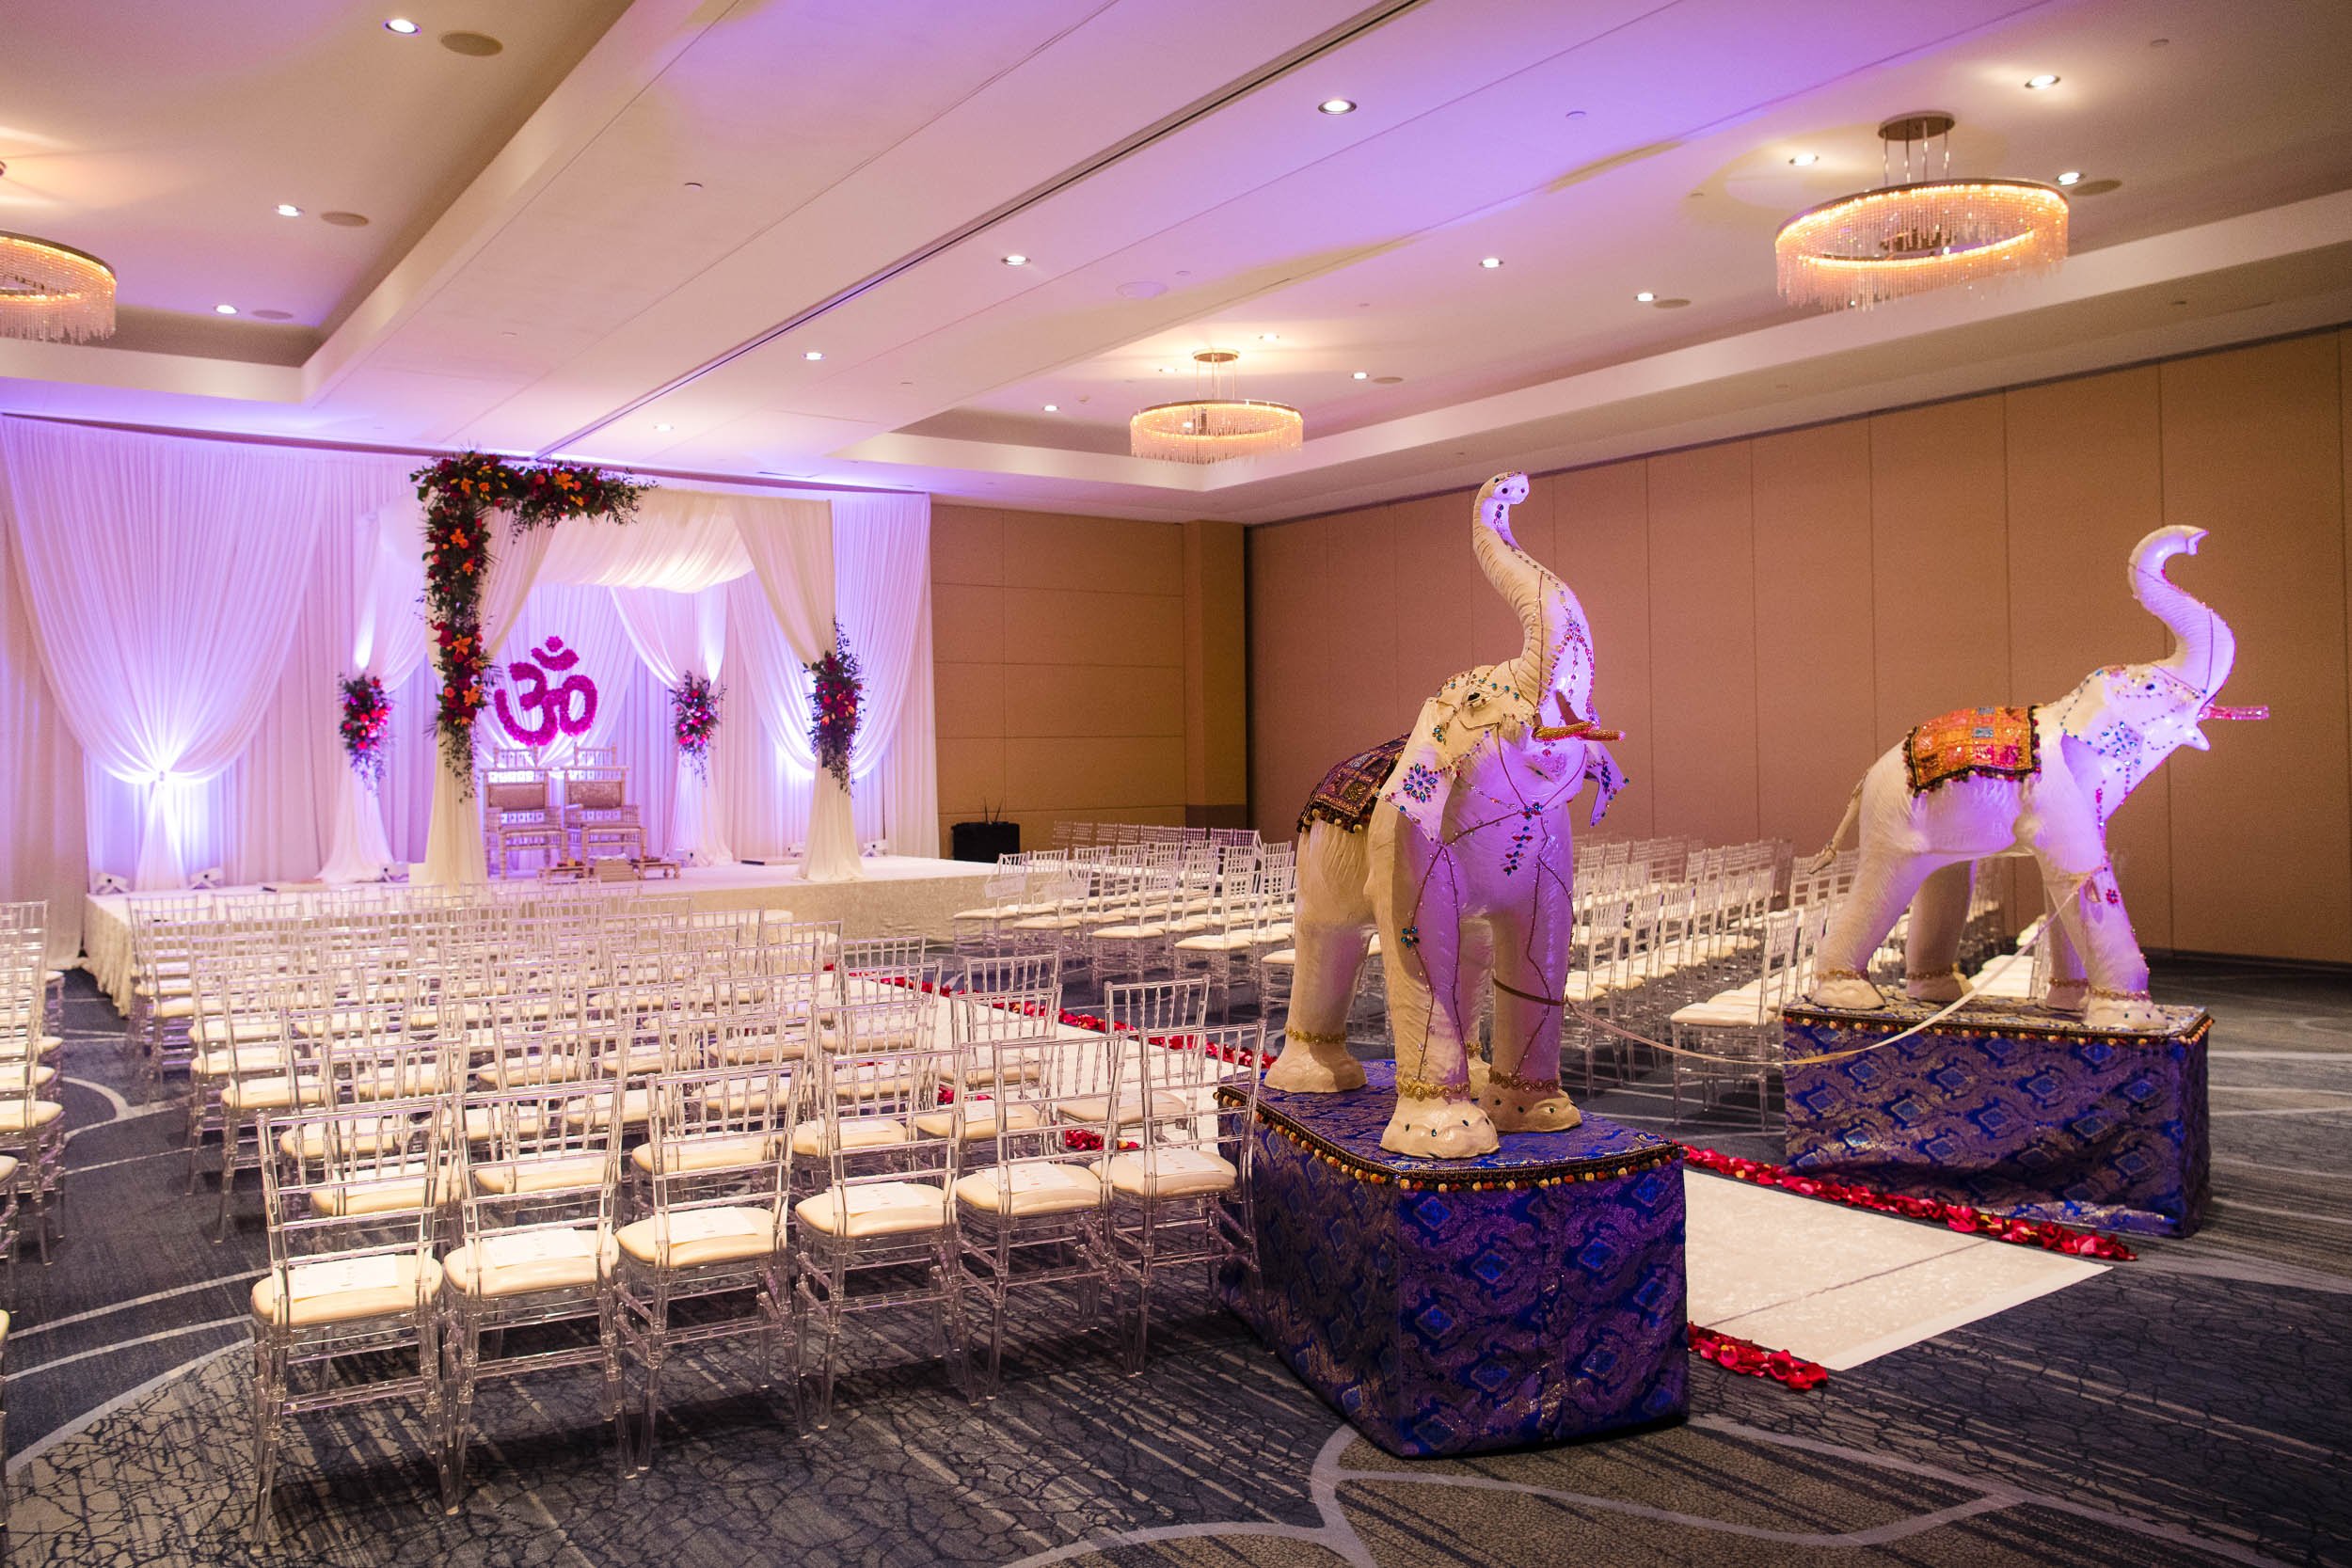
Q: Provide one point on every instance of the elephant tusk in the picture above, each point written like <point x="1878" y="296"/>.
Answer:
<point x="2216" y="710"/>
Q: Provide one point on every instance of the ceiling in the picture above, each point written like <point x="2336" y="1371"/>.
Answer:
<point x="622" y="237"/>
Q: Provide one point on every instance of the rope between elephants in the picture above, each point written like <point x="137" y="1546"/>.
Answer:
<point x="1967" y="995"/>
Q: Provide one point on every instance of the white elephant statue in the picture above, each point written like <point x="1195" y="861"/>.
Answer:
<point x="2042" y="781"/>
<point x="1454" y="842"/>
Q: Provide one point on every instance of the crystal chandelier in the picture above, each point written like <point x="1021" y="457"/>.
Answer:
<point x="1214" y="424"/>
<point x="54" y="293"/>
<point x="1919" y="232"/>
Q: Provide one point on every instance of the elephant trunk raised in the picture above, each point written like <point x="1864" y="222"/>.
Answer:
<point x="1555" y="652"/>
<point x="2204" y="647"/>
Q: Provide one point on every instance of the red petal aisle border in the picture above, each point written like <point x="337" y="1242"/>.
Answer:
<point x="2045" y="1234"/>
<point x="1751" y="1359"/>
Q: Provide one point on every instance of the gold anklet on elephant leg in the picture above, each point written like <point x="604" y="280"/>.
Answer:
<point x="2100" y="993"/>
<point x="1501" y="1079"/>
<point x="1952" y="973"/>
<point x="1422" y="1088"/>
<point x="1840" y="974"/>
<point x="1308" y="1037"/>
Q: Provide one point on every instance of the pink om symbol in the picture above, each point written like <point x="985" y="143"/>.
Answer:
<point x="567" y="708"/>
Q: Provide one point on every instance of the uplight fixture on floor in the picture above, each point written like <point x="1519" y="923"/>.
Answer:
<point x="1216" y="422"/>
<point x="1918" y="233"/>
<point x="52" y="293"/>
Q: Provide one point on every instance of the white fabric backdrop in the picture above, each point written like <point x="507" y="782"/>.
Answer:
<point x="275" y="809"/>
<point x="389" y="641"/>
<point x="162" y="578"/>
<point x="678" y="634"/>
<point x="791" y="544"/>
<point x="452" y="852"/>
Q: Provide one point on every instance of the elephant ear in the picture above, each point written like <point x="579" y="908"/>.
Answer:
<point x="1423" y="780"/>
<point x="1607" y="777"/>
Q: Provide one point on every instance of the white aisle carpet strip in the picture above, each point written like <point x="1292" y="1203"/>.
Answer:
<point x="1842" y="1286"/>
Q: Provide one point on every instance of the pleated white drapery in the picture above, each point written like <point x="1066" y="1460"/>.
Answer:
<point x="791" y="546"/>
<point x="452" y="852"/>
<point x="881" y="551"/>
<point x="162" y="576"/>
<point x="675" y="634"/>
<point x="388" y="641"/>
<point x="44" y="853"/>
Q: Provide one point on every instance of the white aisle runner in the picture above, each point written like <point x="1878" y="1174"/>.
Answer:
<point x="1843" y="1286"/>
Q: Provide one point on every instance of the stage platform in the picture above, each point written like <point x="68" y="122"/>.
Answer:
<point x="898" y="896"/>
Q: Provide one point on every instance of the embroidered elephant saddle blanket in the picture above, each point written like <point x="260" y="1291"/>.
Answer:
<point x="1345" y="797"/>
<point x="1972" y="743"/>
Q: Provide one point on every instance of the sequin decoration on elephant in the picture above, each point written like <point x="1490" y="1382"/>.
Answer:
<point x="1453" y="843"/>
<point x="2043" y="781"/>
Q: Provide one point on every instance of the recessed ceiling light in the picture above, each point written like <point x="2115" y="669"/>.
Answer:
<point x="1269" y="337"/>
<point x="2044" y="80"/>
<point x="665" y="428"/>
<point x="400" y="25"/>
<point x="1336" y="106"/>
<point x="2071" y="177"/>
<point x="1053" y="408"/>
<point x="1361" y="375"/>
<point x="1576" y="114"/>
<point x="1168" y="370"/>
<point x="1385" y="380"/>
<point x="1015" y="259"/>
<point x="345" y="220"/>
<point x="272" y="315"/>
<point x="481" y="46"/>
<point x="813" y="353"/>
<point x="288" y="210"/>
<point x="1805" y="160"/>
<point x="693" y="184"/>
<point x="1491" y="262"/>
<point x="1645" y="297"/>
<point x="224" y="310"/>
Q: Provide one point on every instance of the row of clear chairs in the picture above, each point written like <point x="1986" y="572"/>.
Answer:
<point x="777" y="1155"/>
<point x="32" y="1123"/>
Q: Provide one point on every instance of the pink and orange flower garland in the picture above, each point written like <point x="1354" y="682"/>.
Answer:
<point x="367" y="717"/>
<point x="459" y="493"/>
<point x="838" y="688"/>
<point x="695" y="719"/>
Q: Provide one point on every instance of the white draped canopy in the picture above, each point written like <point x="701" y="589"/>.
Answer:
<point x="177" y="612"/>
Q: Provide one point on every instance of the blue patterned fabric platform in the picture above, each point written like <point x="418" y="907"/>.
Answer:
<point x="1449" y="1307"/>
<point x="2011" y="1109"/>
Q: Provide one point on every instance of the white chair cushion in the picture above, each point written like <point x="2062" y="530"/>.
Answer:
<point x="980" y="1121"/>
<point x="716" y="1151"/>
<point x="346" y="1290"/>
<point x="1030" y="1187"/>
<point x="856" y="1132"/>
<point x="274" y="1093"/>
<point x="1166" y="1172"/>
<point x="526" y="1261"/>
<point x="550" y="1173"/>
<point x="690" y="1237"/>
<point x="875" y="1209"/>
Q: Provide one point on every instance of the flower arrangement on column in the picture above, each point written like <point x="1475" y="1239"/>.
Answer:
<point x="695" y="719"/>
<point x="459" y="493"/>
<point x="367" y="717"/>
<point x="839" y="686"/>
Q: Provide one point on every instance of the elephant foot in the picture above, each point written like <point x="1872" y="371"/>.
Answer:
<point x="1517" y="1106"/>
<point x="2109" y="1011"/>
<point x="1316" y="1067"/>
<point x="1849" y="994"/>
<point x="1439" y="1130"/>
<point x="1938" y="989"/>
<point x="2067" y="996"/>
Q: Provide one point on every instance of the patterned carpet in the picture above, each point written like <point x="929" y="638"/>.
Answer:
<point x="2188" y="1408"/>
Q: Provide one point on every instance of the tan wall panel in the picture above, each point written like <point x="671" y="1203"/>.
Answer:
<point x="1939" y="556"/>
<point x="970" y="699"/>
<point x="1600" y="549"/>
<point x="967" y="545"/>
<point x="2086" y="483"/>
<point x="1289" y="615"/>
<point x="968" y="624"/>
<point x="971" y="775"/>
<point x="1073" y="774"/>
<point x="1217" y="666"/>
<point x="1815" y="694"/>
<point x="2261" y="825"/>
<point x="1048" y="700"/>
<point x="1046" y="549"/>
<point x="1435" y="635"/>
<point x="1362" y="580"/>
<point x="1046" y="625"/>
<point x="1702" y="607"/>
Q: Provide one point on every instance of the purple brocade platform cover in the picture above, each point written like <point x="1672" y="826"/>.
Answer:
<point x="2009" y="1108"/>
<point x="1441" y="1319"/>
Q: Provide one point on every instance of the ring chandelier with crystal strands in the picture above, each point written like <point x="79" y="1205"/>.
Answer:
<point x="1920" y="233"/>
<point x="1214" y="424"/>
<point x="52" y="293"/>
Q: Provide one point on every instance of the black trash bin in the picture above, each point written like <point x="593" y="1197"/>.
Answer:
<point x="985" y="841"/>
